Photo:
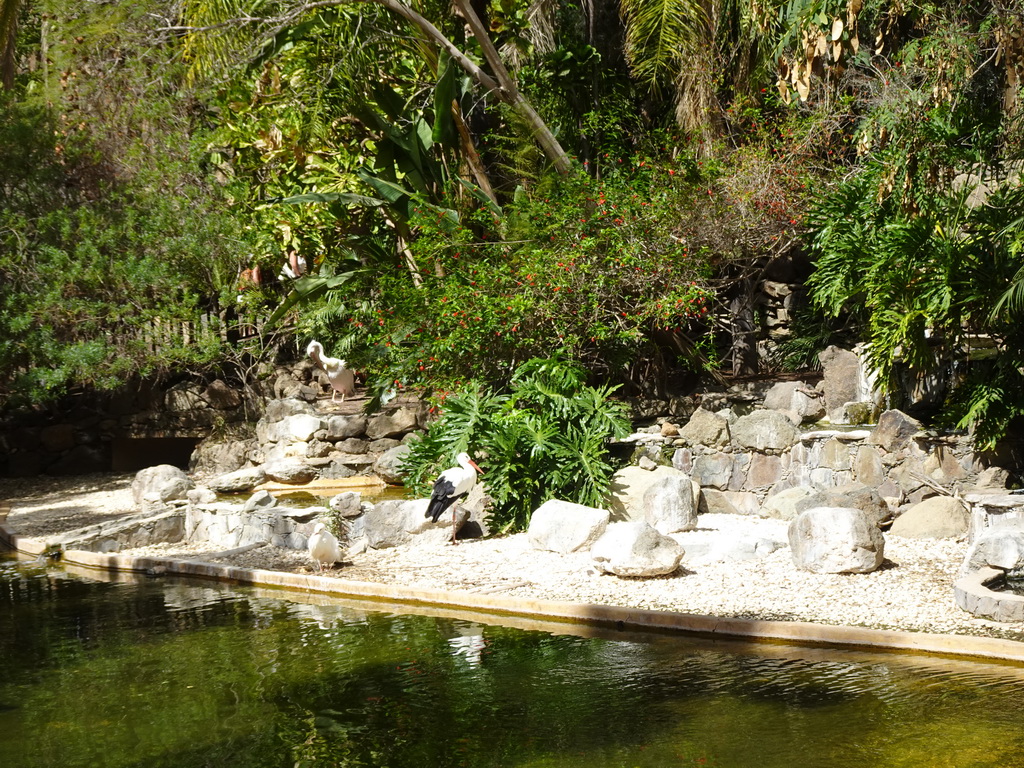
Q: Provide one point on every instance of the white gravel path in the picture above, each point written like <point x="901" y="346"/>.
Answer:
<point x="912" y="591"/>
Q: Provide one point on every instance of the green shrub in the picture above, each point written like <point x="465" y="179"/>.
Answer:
<point x="546" y="438"/>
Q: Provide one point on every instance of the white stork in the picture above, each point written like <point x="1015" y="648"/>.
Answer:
<point x="342" y="379"/>
<point x="323" y="547"/>
<point x="450" y="486"/>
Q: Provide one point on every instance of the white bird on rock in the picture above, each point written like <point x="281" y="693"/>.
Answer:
<point x="451" y="485"/>
<point x="324" y="547"/>
<point x="342" y="379"/>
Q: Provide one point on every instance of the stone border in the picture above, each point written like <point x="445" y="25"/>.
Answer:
<point x="617" y="617"/>
<point x="972" y="593"/>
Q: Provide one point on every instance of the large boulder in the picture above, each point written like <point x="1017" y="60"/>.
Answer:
<point x="395" y="523"/>
<point x="706" y="428"/>
<point x="628" y="486"/>
<point x="562" y="526"/>
<point x="764" y="431"/>
<point x="292" y="471"/>
<point x="841" y="380"/>
<point x="163" y="482"/>
<point x="340" y="427"/>
<point x="783" y="505"/>
<point x="795" y="400"/>
<point x="999" y="547"/>
<point x="836" y="540"/>
<point x="714" y="548"/>
<point x="388" y="465"/>
<point x="216" y="457"/>
<point x="635" y="550"/>
<point x="855" y="495"/>
<point x="940" y="517"/>
<point x="348" y="504"/>
<point x="299" y="427"/>
<point x="278" y="410"/>
<point x="670" y="505"/>
<point x="393" y="423"/>
<point x="894" y="430"/>
<point x="238" y="481"/>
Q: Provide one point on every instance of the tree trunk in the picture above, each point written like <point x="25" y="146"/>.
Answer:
<point x="509" y="92"/>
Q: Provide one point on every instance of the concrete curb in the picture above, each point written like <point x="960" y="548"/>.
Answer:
<point x="972" y="593"/>
<point x="616" y="617"/>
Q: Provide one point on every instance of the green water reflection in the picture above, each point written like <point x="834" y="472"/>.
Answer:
<point x="161" y="672"/>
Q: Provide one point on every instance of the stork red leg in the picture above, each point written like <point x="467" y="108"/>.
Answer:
<point x="454" y="541"/>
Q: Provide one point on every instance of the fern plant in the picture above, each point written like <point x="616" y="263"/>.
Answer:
<point x="545" y="439"/>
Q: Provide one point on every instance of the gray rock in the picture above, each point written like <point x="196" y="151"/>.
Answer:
<point x="841" y="382"/>
<point x="165" y="481"/>
<point x="669" y="505"/>
<point x="716" y="502"/>
<point x="184" y="397"/>
<point x="939" y="517"/>
<point x="216" y="457"/>
<point x="348" y="504"/>
<point x="867" y="466"/>
<point x="222" y="397"/>
<point x="352" y="445"/>
<point x="392" y="424"/>
<point x="797" y="401"/>
<point x="856" y="495"/>
<point x="635" y="550"/>
<point x="783" y="505"/>
<point x="399" y="522"/>
<point x="299" y="427"/>
<point x="382" y="444"/>
<point x="388" y="466"/>
<point x="715" y="549"/>
<point x="627" y="489"/>
<point x="706" y="429"/>
<point x="278" y="410"/>
<point x="562" y="526"/>
<point x="240" y="480"/>
<point x="318" y="449"/>
<point x="764" y="431"/>
<point x="340" y="427"/>
<point x="713" y="470"/>
<point x="259" y="500"/>
<point x="836" y="540"/>
<point x="1001" y="547"/>
<point x="290" y="471"/>
<point x="201" y="495"/>
<point x="894" y="430"/>
<point x="765" y="470"/>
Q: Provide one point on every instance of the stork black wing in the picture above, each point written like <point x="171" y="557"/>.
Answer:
<point x="442" y="497"/>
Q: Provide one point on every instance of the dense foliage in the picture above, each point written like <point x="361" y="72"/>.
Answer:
<point x="546" y="438"/>
<point x="161" y="162"/>
<point x="116" y="252"/>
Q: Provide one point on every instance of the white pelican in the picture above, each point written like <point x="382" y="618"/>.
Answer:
<point x="342" y="379"/>
<point x="323" y="547"/>
<point x="450" y="486"/>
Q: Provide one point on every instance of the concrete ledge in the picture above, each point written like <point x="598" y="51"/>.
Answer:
<point x="596" y="615"/>
<point x="24" y="544"/>
<point x="972" y="593"/>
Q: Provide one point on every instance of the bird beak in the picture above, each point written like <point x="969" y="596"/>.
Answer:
<point x="474" y="466"/>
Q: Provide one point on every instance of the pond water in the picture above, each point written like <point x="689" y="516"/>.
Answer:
<point x="165" y="672"/>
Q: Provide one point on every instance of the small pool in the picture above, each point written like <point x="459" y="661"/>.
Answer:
<point x="163" y="672"/>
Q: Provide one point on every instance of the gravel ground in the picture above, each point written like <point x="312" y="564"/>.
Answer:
<point x="912" y="591"/>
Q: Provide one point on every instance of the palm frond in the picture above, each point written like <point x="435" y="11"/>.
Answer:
<point x="659" y="35"/>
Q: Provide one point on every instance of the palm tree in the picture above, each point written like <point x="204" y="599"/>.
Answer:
<point x="696" y="49"/>
<point x="500" y="84"/>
